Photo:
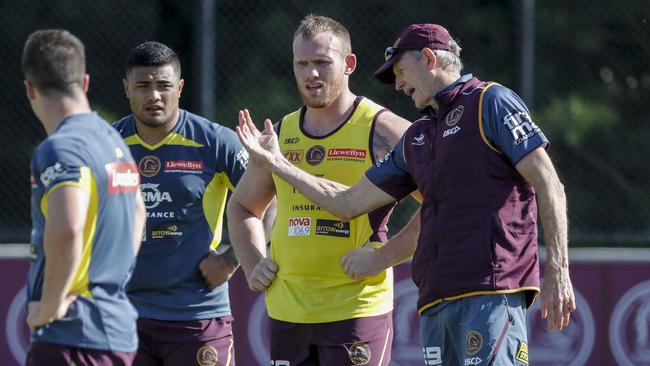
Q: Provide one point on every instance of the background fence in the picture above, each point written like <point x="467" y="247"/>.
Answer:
<point x="582" y="67"/>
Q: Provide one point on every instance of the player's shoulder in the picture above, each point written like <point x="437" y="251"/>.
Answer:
<point x="498" y="92"/>
<point x="125" y="125"/>
<point x="421" y="122"/>
<point x="202" y="130"/>
<point x="64" y="147"/>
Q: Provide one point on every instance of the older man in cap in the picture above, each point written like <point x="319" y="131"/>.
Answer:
<point x="481" y="164"/>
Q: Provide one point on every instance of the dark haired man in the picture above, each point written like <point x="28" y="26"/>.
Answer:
<point x="187" y="165"/>
<point x="87" y="216"/>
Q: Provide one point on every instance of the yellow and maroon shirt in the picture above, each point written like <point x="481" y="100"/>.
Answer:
<point x="308" y="242"/>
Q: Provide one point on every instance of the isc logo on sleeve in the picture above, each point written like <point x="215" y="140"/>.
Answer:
<point x="299" y="226"/>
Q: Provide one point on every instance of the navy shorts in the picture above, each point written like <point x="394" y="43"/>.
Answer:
<point x="476" y="330"/>
<point x="206" y="342"/>
<point x="362" y="341"/>
<point x="50" y="354"/>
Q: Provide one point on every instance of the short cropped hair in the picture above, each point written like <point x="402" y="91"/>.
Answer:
<point x="54" y="60"/>
<point x="312" y="25"/>
<point x="152" y="54"/>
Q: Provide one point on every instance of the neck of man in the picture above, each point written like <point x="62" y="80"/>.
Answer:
<point x="152" y="135"/>
<point x="58" y="107"/>
<point x="445" y="79"/>
<point x="322" y="121"/>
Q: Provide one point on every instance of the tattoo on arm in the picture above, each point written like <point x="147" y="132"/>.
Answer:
<point x="380" y="145"/>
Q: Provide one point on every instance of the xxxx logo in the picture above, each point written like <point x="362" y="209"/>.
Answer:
<point x="294" y="156"/>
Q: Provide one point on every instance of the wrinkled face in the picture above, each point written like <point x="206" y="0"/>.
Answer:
<point x="320" y="69"/>
<point x="153" y="93"/>
<point x="414" y="79"/>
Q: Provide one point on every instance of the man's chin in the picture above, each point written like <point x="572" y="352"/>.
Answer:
<point x="314" y="102"/>
<point x="153" y="122"/>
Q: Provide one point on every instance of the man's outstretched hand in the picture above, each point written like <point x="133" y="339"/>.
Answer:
<point x="262" y="146"/>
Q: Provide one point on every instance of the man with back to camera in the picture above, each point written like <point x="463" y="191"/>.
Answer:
<point x="87" y="216"/>
<point x="481" y="164"/>
<point x="320" y="314"/>
<point x="187" y="165"/>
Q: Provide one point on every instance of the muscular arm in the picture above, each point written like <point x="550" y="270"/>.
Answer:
<point x="62" y="244"/>
<point x="341" y="201"/>
<point x="252" y="196"/>
<point x="389" y="128"/>
<point x="557" y="298"/>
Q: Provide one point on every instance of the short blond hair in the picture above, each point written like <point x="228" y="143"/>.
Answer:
<point x="312" y="25"/>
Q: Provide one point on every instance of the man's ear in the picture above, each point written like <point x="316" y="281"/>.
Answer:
<point x="125" y="84"/>
<point x="85" y="83"/>
<point x="432" y="60"/>
<point x="181" y="83"/>
<point x="350" y="63"/>
<point x="29" y="90"/>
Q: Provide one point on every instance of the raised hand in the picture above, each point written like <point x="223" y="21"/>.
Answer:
<point x="262" y="146"/>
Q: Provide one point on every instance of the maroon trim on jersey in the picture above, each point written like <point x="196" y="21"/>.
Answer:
<point x="301" y="122"/>
<point x="372" y="135"/>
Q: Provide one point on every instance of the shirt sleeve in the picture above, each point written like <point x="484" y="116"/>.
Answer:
<point x="232" y="157"/>
<point x="59" y="162"/>
<point x="507" y="124"/>
<point x="391" y="175"/>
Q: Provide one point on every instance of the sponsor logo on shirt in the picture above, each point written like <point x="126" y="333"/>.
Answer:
<point x="293" y="156"/>
<point x="474" y="342"/>
<point x="149" y="166"/>
<point x="306" y="208"/>
<point x="454" y="116"/>
<point x="419" y="140"/>
<point x="122" y="177"/>
<point x="291" y="140"/>
<point x="521" y="126"/>
<point x="160" y="214"/>
<point x="450" y="131"/>
<point x="315" y="155"/>
<point x="166" y="232"/>
<point x="152" y="196"/>
<point x="184" y="166"/>
<point x="346" y="154"/>
<point x="333" y="228"/>
<point x="52" y="172"/>
<point x="299" y="226"/>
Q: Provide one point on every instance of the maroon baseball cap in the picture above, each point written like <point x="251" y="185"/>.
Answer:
<point x="414" y="37"/>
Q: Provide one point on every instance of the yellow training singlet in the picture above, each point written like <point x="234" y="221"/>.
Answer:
<point x="307" y="242"/>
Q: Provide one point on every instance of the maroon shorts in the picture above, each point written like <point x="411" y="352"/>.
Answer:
<point x="50" y="354"/>
<point x="206" y="342"/>
<point x="362" y="341"/>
